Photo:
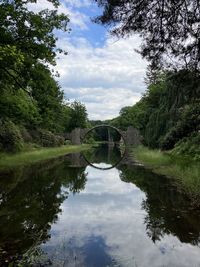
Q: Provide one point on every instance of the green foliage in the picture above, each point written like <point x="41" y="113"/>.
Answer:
<point x="19" y="107"/>
<point x="66" y="120"/>
<point x="188" y="123"/>
<point x="78" y="115"/>
<point x="67" y="142"/>
<point x="48" y="96"/>
<point x="10" y="137"/>
<point x="185" y="171"/>
<point x="168" y="112"/>
<point x="8" y="161"/>
<point x="131" y="116"/>
<point x="26" y="135"/>
<point x="26" y="38"/>
<point x="30" y="97"/>
<point x="188" y="146"/>
<point x="46" y="138"/>
<point x="169" y="29"/>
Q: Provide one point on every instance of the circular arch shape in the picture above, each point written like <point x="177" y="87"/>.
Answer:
<point x="103" y="126"/>
<point x="101" y="168"/>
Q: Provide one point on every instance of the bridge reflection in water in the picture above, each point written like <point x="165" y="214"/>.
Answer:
<point x="111" y="154"/>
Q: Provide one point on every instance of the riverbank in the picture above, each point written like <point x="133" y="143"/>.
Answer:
<point x="185" y="173"/>
<point x="29" y="157"/>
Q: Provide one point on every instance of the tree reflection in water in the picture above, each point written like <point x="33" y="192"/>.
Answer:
<point x="28" y="208"/>
<point x="31" y="201"/>
<point x="169" y="210"/>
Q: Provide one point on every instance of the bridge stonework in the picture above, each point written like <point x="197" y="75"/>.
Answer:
<point x="131" y="136"/>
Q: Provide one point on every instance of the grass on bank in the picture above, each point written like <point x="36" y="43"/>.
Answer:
<point x="185" y="171"/>
<point x="30" y="157"/>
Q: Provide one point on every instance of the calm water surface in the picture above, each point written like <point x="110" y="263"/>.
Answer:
<point x="71" y="212"/>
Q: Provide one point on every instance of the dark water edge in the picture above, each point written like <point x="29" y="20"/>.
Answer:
<point x="65" y="212"/>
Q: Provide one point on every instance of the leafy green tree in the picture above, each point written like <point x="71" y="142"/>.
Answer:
<point x="31" y="101"/>
<point x="26" y="38"/>
<point x="20" y="107"/>
<point x="78" y="115"/>
<point x="66" y="117"/>
<point x="49" y="97"/>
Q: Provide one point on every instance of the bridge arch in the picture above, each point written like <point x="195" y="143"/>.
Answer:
<point x="103" y="126"/>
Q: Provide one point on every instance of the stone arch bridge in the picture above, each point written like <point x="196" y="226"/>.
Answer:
<point x="130" y="137"/>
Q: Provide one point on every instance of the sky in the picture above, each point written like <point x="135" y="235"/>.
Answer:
<point x="100" y="71"/>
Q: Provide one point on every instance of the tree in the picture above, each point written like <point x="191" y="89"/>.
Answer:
<point x="167" y="112"/>
<point x="169" y="29"/>
<point x="31" y="101"/>
<point x="78" y="115"/>
<point x="26" y="39"/>
<point x="49" y="97"/>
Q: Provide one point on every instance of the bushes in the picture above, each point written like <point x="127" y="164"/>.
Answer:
<point x="13" y="137"/>
<point x="173" y="136"/>
<point x="46" y="138"/>
<point x="188" y="123"/>
<point x="68" y="142"/>
<point x="10" y="137"/>
<point x="188" y="146"/>
<point x="26" y="135"/>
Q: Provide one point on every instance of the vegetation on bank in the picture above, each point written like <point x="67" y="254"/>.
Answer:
<point x="185" y="172"/>
<point x="32" y="104"/>
<point x="168" y="114"/>
<point x="39" y="154"/>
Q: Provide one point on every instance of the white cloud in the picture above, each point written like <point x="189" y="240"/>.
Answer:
<point x="103" y="103"/>
<point x="105" y="78"/>
<point x="112" y="210"/>
<point x="77" y="19"/>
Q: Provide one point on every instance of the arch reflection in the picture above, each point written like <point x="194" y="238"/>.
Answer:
<point x="109" y="154"/>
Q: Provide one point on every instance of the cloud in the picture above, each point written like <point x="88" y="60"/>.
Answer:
<point x="78" y="20"/>
<point x="111" y="209"/>
<point x="105" y="78"/>
<point x="103" y="103"/>
<point x="102" y="72"/>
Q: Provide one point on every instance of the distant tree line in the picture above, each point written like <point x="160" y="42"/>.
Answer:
<point x="32" y="105"/>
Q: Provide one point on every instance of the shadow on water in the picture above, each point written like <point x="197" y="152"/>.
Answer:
<point x="31" y="202"/>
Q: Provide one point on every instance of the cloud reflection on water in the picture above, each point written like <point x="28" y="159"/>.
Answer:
<point x="107" y="216"/>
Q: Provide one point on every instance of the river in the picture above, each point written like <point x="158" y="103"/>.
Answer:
<point x="93" y="210"/>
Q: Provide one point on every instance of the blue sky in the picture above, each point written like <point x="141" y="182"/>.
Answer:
<point x="104" y="73"/>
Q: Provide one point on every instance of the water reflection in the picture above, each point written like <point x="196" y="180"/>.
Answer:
<point x="65" y="213"/>
<point x="109" y="153"/>
<point x="30" y="207"/>
<point x="168" y="209"/>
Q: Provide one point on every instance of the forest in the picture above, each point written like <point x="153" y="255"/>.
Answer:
<point x="33" y="109"/>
